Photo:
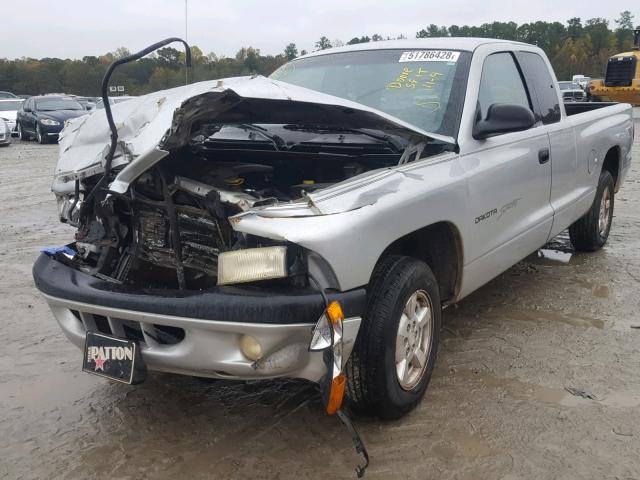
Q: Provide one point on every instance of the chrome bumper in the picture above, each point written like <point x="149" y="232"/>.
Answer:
<point x="205" y="348"/>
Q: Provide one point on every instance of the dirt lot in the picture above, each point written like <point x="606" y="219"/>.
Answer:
<point x="497" y="408"/>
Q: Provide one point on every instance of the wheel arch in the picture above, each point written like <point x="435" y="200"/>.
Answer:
<point x="439" y="245"/>
<point x="611" y="164"/>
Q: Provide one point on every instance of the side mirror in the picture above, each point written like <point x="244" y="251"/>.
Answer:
<point x="26" y="109"/>
<point x="504" y="118"/>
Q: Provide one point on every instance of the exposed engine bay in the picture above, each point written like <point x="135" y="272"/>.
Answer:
<point x="170" y="226"/>
<point x="152" y="190"/>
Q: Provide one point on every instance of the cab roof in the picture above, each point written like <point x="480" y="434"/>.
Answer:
<point x="468" y="44"/>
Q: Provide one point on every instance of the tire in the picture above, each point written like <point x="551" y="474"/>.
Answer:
<point x="22" y="135"/>
<point x="373" y="372"/>
<point x="41" y="138"/>
<point x="591" y="231"/>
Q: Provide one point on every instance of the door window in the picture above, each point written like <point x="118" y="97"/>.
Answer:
<point x="501" y="82"/>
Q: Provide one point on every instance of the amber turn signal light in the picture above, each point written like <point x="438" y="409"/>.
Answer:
<point x="334" y="312"/>
<point x="336" y="394"/>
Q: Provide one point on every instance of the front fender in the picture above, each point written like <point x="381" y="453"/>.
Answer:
<point x="351" y="241"/>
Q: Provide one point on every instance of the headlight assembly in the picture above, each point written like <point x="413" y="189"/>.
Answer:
<point x="65" y="204"/>
<point x="252" y="264"/>
<point x="49" y="122"/>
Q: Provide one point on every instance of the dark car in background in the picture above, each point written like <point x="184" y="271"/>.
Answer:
<point x="43" y="117"/>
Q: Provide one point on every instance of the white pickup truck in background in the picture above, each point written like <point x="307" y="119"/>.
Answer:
<point x="314" y="223"/>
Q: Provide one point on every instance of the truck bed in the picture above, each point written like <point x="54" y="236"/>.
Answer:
<point x="581" y="107"/>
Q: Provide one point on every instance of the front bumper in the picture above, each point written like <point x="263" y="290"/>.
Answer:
<point x="51" y="132"/>
<point x="198" y="333"/>
<point x="618" y="94"/>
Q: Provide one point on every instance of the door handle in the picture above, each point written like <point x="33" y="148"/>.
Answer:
<point x="543" y="155"/>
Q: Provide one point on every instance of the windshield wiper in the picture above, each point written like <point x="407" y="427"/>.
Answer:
<point x="277" y="141"/>
<point x="388" y="140"/>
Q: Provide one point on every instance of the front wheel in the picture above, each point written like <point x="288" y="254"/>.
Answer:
<point x="22" y="135"/>
<point x="591" y="231"/>
<point x="42" y="139"/>
<point x="395" y="352"/>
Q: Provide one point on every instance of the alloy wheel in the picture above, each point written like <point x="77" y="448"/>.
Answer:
<point x="413" y="340"/>
<point x="604" y="216"/>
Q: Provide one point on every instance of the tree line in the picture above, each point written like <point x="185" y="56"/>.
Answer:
<point x="575" y="47"/>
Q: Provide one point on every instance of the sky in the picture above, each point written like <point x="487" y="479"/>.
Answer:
<point x="75" y="28"/>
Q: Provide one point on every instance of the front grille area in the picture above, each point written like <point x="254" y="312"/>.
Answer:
<point x="573" y="96"/>
<point x="620" y="71"/>
<point x="200" y="238"/>
<point x="144" y="333"/>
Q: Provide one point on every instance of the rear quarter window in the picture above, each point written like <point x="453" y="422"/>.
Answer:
<point x="542" y="87"/>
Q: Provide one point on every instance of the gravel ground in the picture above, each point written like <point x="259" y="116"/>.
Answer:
<point x="498" y="406"/>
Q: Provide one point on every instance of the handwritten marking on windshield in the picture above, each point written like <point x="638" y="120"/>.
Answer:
<point x="433" y="105"/>
<point x="422" y="78"/>
<point x="401" y="80"/>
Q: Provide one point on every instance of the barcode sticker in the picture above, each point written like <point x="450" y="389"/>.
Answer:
<point x="429" y="56"/>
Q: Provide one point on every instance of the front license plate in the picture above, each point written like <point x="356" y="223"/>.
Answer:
<point x="113" y="358"/>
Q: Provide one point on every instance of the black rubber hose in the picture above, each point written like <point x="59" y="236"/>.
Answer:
<point x="107" y="105"/>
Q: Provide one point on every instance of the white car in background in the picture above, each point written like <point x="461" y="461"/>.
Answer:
<point x="571" y="92"/>
<point x="582" y="81"/>
<point x="8" y="109"/>
<point x="5" y="134"/>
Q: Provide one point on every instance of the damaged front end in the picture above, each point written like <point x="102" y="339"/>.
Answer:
<point x="184" y="166"/>
<point x="164" y="197"/>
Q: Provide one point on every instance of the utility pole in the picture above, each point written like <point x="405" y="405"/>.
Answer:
<point x="186" y="39"/>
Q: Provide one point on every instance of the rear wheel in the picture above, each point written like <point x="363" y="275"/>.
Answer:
<point x="395" y="352"/>
<point x="591" y="232"/>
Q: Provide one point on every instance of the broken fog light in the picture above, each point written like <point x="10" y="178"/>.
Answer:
<point x="327" y="337"/>
<point x="250" y="347"/>
<point x="252" y="264"/>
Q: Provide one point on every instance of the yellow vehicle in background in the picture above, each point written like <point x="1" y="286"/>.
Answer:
<point x="622" y="80"/>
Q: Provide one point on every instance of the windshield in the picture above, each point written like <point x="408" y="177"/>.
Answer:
<point x="7" y="95"/>
<point x="10" y="105"/>
<point x="422" y="87"/>
<point x="52" y="104"/>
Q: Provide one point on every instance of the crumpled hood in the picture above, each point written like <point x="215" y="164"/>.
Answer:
<point x="152" y="125"/>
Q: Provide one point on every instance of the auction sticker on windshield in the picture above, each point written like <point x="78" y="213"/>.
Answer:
<point x="429" y="56"/>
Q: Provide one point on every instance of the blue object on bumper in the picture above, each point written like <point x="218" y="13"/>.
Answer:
<point x="67" y="250"/>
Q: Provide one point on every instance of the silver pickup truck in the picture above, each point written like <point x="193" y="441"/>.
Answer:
<point x="313" y="224"/>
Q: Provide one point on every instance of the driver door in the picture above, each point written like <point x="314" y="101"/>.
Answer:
<point x="509" y="188"/>
<point x="30" y="117"/>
